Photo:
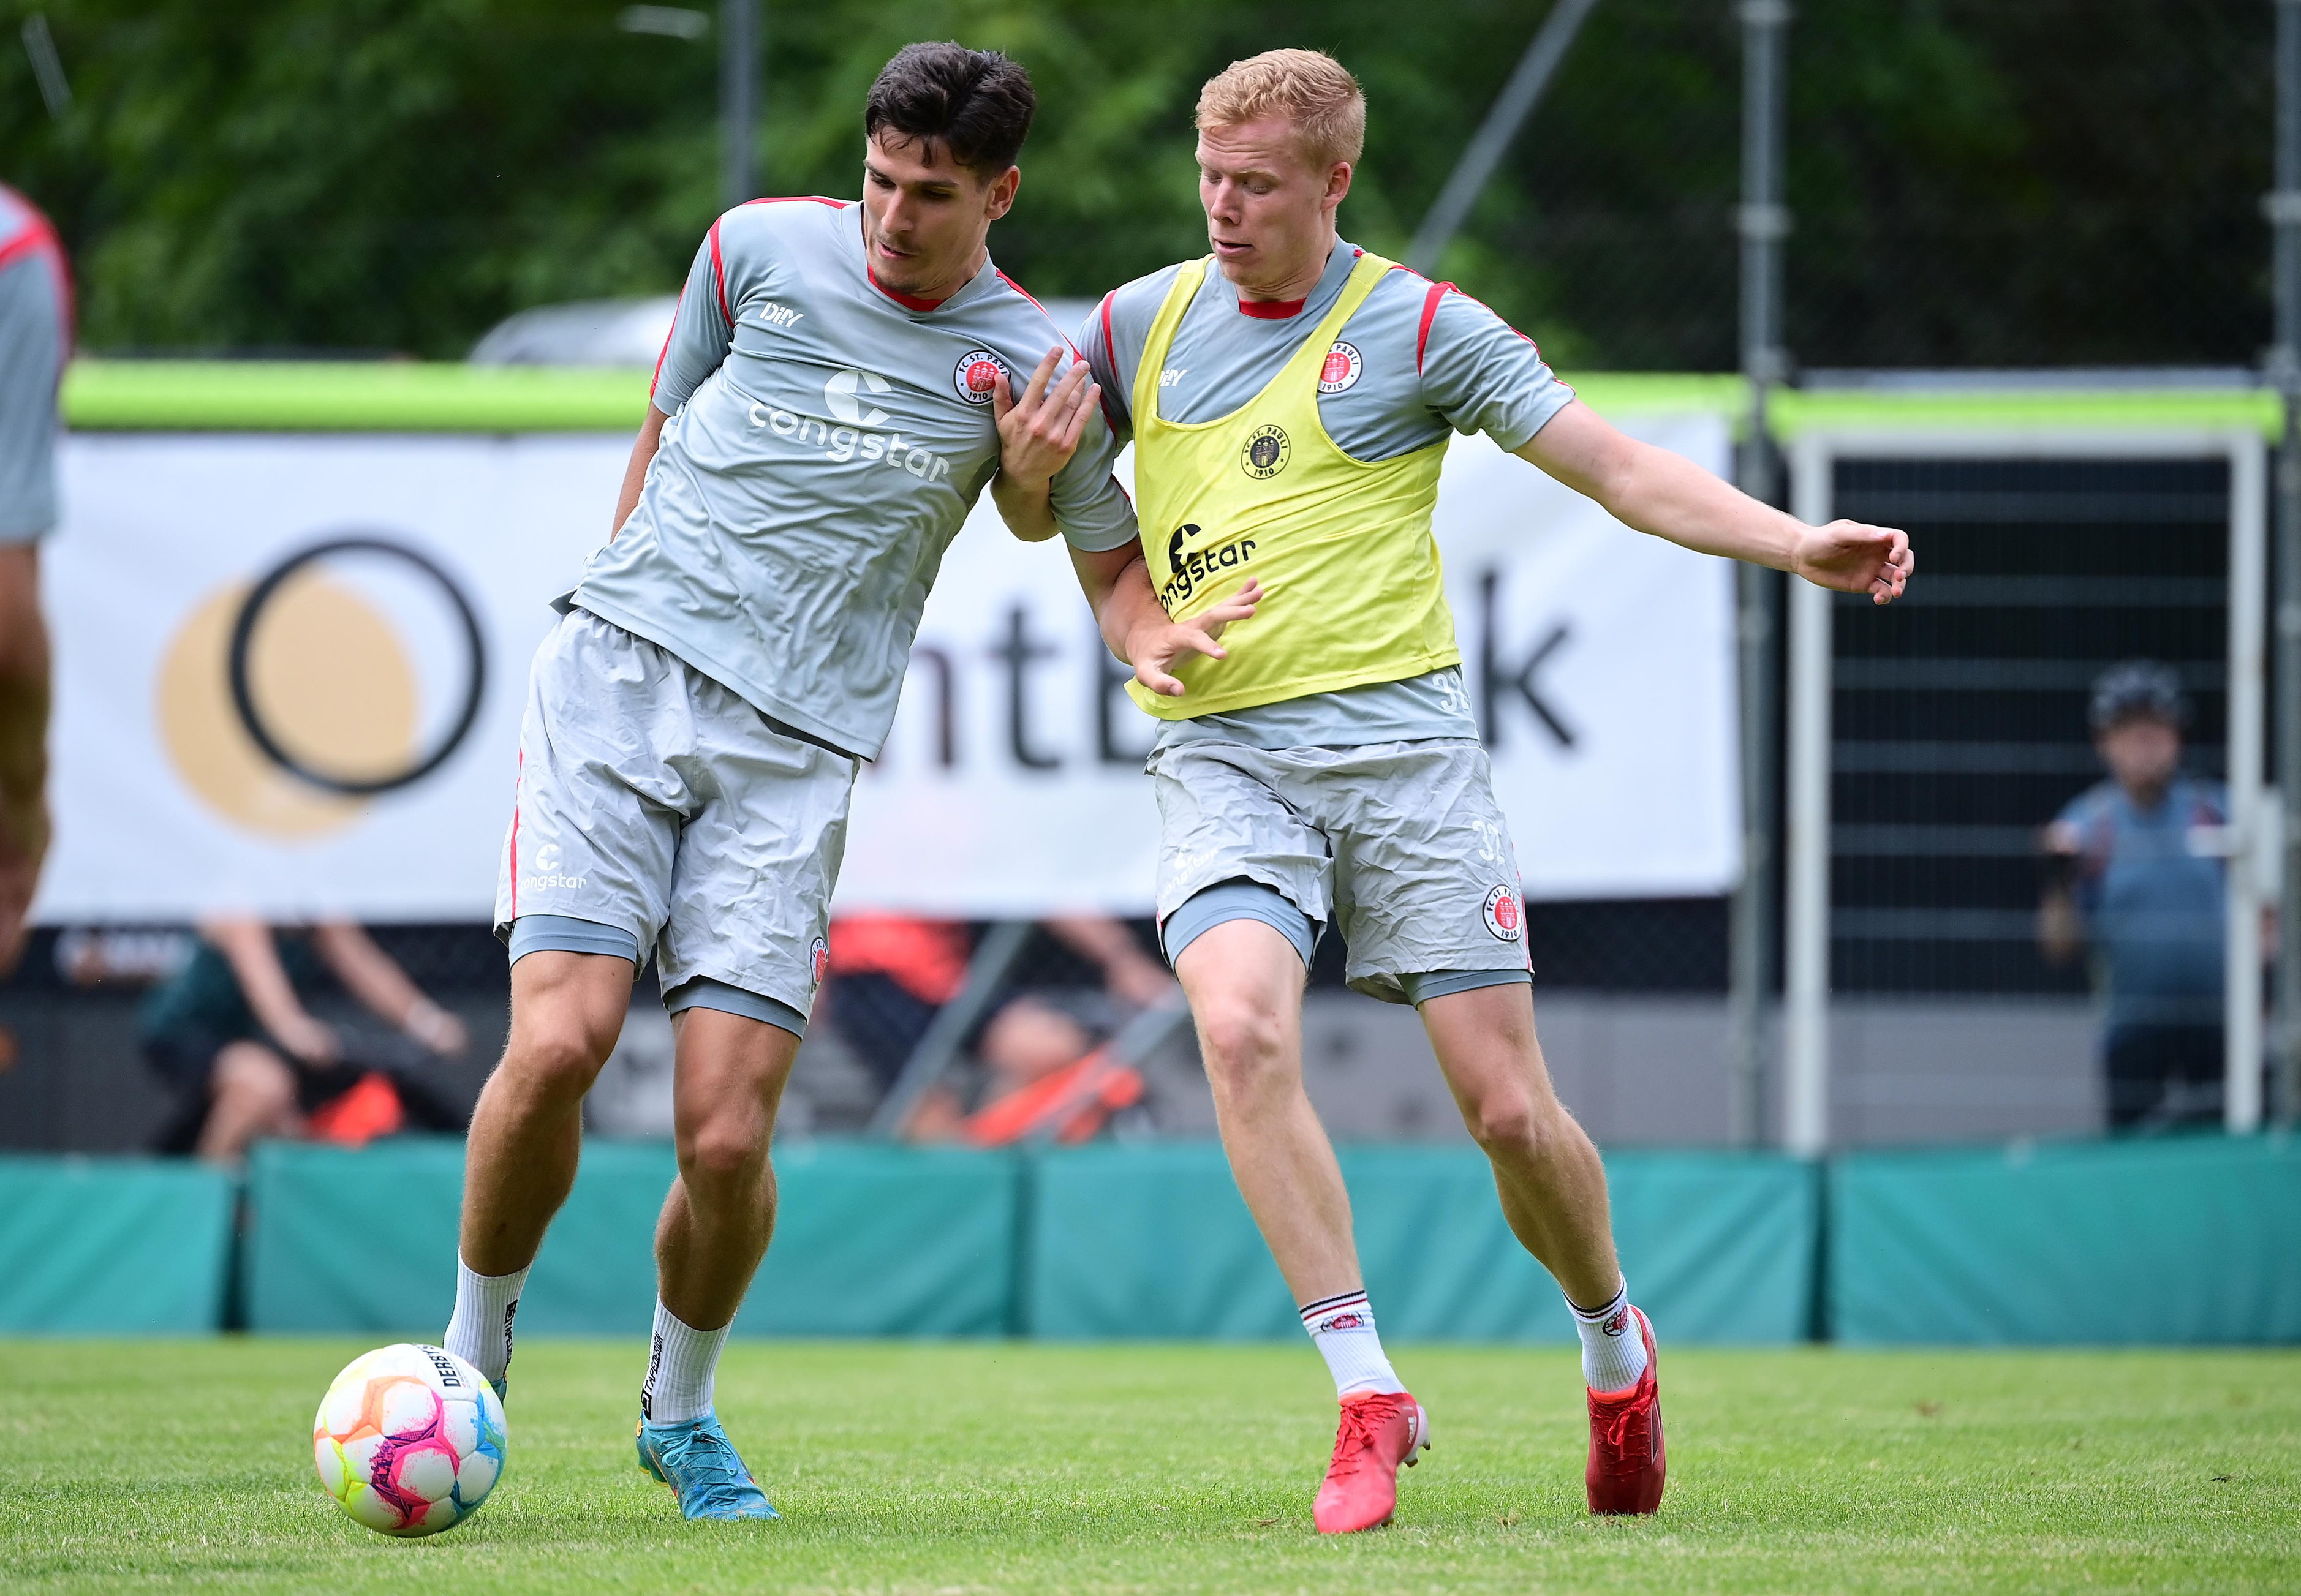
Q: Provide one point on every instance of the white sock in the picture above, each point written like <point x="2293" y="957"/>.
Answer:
<point x="683" y="1365"/>
<point x="479" y="1332"/>
<point x="1343" y="1330"/>
<point x="1613" y="1352"/>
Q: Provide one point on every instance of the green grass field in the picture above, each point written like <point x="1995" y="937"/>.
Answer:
<point x="965" y="1468"/>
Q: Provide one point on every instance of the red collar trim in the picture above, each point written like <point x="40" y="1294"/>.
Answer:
<point x="908" y="301"/>
<point x="1271" y="309"/>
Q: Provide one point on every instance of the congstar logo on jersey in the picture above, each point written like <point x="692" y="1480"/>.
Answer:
<point x="848" y="435"/>
<point x="1189" y="566"/>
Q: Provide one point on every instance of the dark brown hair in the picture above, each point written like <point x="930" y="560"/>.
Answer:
<point x="977" y="103"/>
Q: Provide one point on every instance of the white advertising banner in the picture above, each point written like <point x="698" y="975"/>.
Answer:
<point x="290" y="672"/>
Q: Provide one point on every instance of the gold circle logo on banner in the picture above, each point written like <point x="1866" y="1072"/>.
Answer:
<point x="335" y="687"/>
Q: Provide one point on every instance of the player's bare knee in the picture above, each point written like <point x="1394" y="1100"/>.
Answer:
<point x="555" y="1057"/>
<point x="1510" y="1127"/>
<point x="722" y="1154"/>
<point x="1240" y="1033"/>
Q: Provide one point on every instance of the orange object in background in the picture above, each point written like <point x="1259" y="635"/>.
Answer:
<point x="927" y="958"/>
<point x="369" y="1109"/>
<point x="1068" y="1107"/>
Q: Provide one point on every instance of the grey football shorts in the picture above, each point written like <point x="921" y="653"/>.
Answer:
<point x="1400" y="845"/>
<point x="660" y="811"/>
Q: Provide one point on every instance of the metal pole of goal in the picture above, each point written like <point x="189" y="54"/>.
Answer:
<point x="1762" y="222"/>
<point x="2283" y="207"/>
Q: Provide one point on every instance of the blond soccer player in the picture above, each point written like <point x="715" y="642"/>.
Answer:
<point x="1290" y="397"/>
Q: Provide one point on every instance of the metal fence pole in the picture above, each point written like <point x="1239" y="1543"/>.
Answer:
<point x="2284" y="210"/>
<point x="738" y="101"/>
<point x="1762" y="221"/>
<point x="2248" y="572"/>
<point x="1805" y="997"/>
<point x="1491" y="141"/>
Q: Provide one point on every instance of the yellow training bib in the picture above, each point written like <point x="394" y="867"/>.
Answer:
<point x="1353" y="593"/>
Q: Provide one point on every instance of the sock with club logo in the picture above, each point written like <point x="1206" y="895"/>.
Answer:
<point x="683" y="1367"/>
<point x="1341" y="1327"/>
<point x="1613" y="1352"/>
<point x="479" y="1332"/>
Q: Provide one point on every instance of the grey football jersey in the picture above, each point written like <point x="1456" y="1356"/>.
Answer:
<point x="826" y="441"/>
<point x="1399" y="383"/>
<point x="35" y="337"/>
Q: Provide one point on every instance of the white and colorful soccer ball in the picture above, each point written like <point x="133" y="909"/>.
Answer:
<point x="409" y="1440"/>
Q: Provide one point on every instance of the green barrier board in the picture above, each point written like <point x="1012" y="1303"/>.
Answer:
<point x="870" y="1241"/>
<point x="397" y="395"/>
<point x="2191" y="1241"/>
<point x="1155" y="1241"/>
<point x="112" y="1247"/>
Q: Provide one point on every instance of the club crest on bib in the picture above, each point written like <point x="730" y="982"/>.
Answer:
<point x="1506" y="916"/>
<point x="977" y="374"/>
<point x="1341" y="369"/>
<point x="1265" y="453"/>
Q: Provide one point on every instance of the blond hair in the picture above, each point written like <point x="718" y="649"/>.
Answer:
<point x="1310" y="89"/>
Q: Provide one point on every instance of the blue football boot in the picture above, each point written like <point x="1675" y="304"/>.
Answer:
<point x="698" y="1461"/>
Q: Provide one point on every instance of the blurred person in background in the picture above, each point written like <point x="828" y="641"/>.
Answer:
<point x="35" y="341"/>
<point x="233" y="1034"/>
<point x="2137" y="876"/>
<point x="891" y="973"/>
<point x="1047" y="1074"/>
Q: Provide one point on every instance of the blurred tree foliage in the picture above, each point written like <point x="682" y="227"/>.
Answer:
<point x="1975" y="182"/>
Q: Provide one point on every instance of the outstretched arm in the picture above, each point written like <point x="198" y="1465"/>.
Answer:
<point x="1137" y="629"/>
<point x="1656" y="491"/>
<point x="1039" y="430"/>
<point x="372" y="976"/>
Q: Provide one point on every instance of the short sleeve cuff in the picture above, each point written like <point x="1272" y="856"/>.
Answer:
<point x="1101" y="540"/>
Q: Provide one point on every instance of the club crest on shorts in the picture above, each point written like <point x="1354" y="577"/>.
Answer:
<point x="977" y="374"/>
<point x="1265" y="453"/>
<point x="1341" y="368"/>
<point x="1505" y="915"/>
<point x="821" y="960"/>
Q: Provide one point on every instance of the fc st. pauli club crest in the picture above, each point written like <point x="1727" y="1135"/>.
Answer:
<point x="1341" y="370"/>
<point x="1505" y="915"/>
<point x="977" y="374"/>
<point x="1265" y="453"/>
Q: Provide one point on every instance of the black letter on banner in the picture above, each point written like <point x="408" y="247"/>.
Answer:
<point x="1019" y="651"/>
<point x="1111" y="704"/>
<point x="1493" y="675"/>
<point x="946" y="701"/>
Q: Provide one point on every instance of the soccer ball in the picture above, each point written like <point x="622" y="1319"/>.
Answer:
<point x="409" y="1440"/>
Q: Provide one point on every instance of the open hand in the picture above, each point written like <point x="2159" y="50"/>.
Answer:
<point x="307" y="1039"/>
<point x="1851" y="557"/>
<point x="1039" y="430"/>
<point x="1153" y="650"/>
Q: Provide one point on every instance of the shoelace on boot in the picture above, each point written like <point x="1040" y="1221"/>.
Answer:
<point x="1361" y="1422"/>
<point x="1632" y="1419"/>
<point x="709" y="1462"/>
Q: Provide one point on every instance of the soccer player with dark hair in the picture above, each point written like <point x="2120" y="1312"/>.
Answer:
<point x="35" y="341"/>
<point x="1290" y="398"/>
<point x="838" y="388"/>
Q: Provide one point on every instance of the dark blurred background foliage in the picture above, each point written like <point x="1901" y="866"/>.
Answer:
<point x="1975" y="182"/>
